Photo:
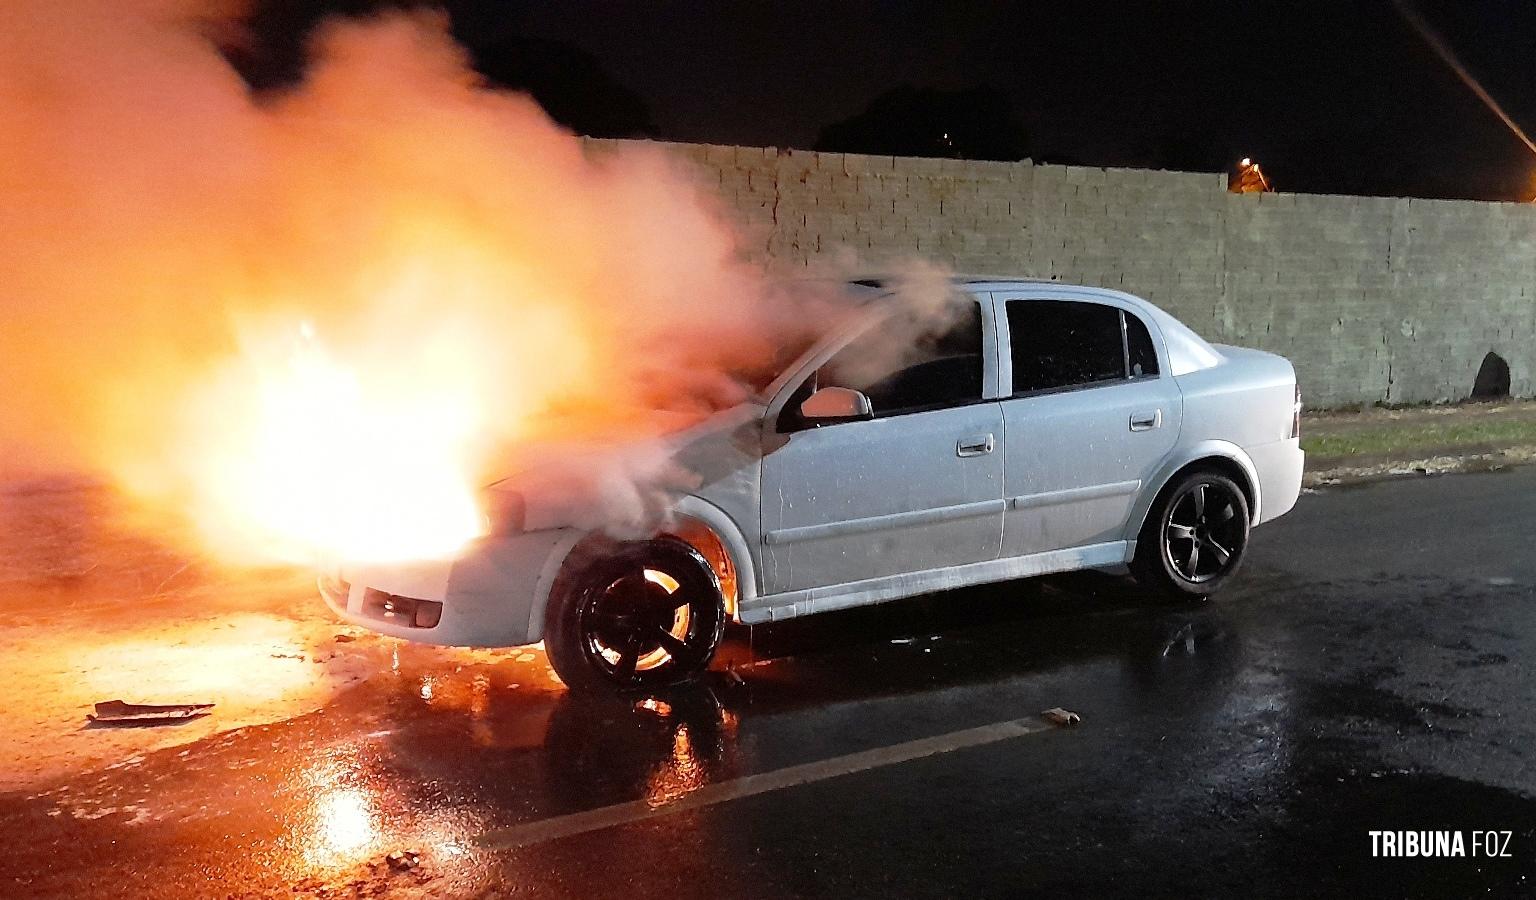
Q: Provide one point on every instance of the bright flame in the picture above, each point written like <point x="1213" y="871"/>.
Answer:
<point x="320" y="320"/>
<point x="304" y="455"/>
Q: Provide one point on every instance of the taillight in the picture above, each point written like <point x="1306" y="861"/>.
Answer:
<point x="1296" y="415"/>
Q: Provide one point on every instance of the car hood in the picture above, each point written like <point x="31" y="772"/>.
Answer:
<point x="626" y="485"/>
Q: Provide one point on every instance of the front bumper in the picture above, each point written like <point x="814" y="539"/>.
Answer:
<point x="493" y="595"/>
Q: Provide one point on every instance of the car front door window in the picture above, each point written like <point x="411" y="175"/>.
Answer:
<point x="901" y="374"/>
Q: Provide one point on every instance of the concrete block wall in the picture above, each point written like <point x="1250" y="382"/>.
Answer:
<point x="1373" y="299"/>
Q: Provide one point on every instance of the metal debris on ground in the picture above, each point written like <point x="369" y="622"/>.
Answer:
<point x="1058" y="716"/>
<point x="403" y="860"/>
<point x="118" y="711"/>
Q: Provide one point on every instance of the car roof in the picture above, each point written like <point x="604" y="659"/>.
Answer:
<point x="1187" y="351"/>
<point x="882" y="281"/>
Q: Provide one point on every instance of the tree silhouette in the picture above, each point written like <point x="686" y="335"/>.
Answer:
<point x="570" y="83"/>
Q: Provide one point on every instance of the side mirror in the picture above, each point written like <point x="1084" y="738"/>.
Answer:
<point x="836" y="403"/>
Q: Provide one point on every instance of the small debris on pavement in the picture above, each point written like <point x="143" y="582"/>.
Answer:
<point x="403" y="860"/>
<point x="345" y="638"/>
<point x="1063" y="717"/>
<point x="118" y="711"/>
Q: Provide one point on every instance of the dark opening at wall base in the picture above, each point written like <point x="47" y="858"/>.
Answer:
<point x="1492" y="380"/>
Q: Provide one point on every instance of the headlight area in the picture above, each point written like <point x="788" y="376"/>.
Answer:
<point x="401" y="611"/>
<point x="506" y="512"/>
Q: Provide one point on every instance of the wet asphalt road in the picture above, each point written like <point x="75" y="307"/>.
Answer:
<point x="1372" y="670"/>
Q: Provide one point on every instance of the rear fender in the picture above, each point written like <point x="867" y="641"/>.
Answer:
<point x="1177" y="461"/>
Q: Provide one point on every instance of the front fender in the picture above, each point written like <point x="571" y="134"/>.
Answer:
<point x="730" y="535"/>
<point x="544" y="584"/>
<point x="735" y="542"/>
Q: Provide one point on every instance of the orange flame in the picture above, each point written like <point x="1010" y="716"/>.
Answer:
<point x="306" y="454"/>
<point x="318" y="319"/>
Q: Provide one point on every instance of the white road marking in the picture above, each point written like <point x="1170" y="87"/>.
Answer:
<point x="538" y="832"/>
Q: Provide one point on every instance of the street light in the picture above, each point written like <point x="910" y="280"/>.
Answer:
<point x="1248" y="179"/>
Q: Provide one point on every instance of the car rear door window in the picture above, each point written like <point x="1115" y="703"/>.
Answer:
<point x="1061" y="344"/>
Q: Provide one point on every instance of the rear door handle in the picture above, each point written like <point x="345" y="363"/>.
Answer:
<point x="1146" y="421"/>
<point x="975" y="445"/>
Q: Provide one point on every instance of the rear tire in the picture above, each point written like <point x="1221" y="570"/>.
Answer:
<point x="1195" y="537"/>
<point x="642" y="615"/>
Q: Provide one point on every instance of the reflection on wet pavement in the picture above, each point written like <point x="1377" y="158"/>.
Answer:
<point x="1256" y="734"/>
<point x="343" y="824"/>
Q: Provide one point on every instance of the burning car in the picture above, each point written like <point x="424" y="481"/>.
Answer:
<point x="1037" y="428"/>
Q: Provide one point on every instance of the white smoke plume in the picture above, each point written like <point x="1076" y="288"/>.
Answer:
<point x="304" y="317"/>
<point x="315" y="321"/>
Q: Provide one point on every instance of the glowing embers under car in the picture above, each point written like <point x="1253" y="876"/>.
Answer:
<point x="398" y="610"/>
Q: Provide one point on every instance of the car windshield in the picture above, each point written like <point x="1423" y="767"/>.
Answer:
<point x="785" y="354"/>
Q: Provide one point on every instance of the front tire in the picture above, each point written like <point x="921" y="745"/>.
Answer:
<point x="1195" y="537"/>
<point x="643" y="615"/>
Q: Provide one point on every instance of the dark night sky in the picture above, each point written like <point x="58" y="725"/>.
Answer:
<point x="1331" y="95"/>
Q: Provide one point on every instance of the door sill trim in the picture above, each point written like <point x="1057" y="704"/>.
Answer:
<point x="789" y="604"/>
<point x="1074" y="495"/>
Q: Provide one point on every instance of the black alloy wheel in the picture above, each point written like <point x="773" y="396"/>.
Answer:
<point x="1203" y="534"/>
<point x="649" y="614"/>
<point x="1195" y="536"/>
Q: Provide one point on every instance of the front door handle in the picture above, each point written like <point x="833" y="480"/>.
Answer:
<point x="975" y="445"/>
<point x="1146" y="421"/>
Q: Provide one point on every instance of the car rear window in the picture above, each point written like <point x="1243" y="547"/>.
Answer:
<point x="1141" y="354"/>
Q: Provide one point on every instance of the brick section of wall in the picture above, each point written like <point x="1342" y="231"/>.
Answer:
<point x="1373" y="299"/>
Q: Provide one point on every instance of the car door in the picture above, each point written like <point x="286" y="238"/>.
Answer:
<point x="1089" y="419"/>
<point x="917" y="486"/>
